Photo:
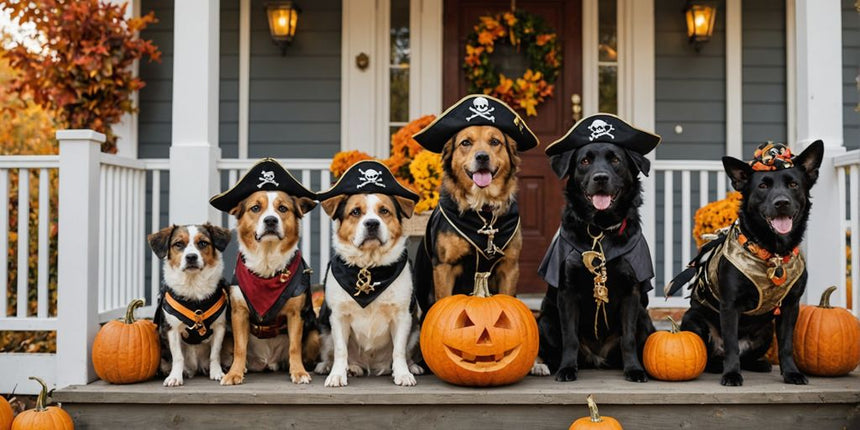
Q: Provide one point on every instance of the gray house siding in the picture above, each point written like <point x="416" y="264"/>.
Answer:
<point x="850" y="74"/>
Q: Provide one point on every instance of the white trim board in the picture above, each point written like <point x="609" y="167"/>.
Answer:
<point x="244" y="75"/>
<point x="734" y="79"/>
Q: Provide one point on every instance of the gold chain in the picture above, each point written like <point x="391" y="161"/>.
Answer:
<point x="364" y="282"/>
<point x="489" y="230"/>
<point x="595" y="262"/>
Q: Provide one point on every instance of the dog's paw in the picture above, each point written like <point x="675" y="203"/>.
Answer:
<point x="635" y="375"/>
<point x="416" y="369"/>
<point x="173" y="380"/>
<point x="404" y="379"/>
<point x="300" y="377"/>
<point x="232" y="379"/>
<point x="540" y="369"/>
<point x="732" y="379"/>
<point x="336" y="380"/>
<point x="322" y="368"/>
<point x="566" y="374"/>
<point x="795" y="378"/>
<point x="354" y="370"/>
<point x="216" y="374"/>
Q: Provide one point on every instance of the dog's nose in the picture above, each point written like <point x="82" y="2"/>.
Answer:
<point x="371" y="225"/>
<point x="781" y="202"/>
<point x="482" y="157"/>
<point x="601" y="177"/>
<point x="191" y="258"/>
<point x="270" y="221"/>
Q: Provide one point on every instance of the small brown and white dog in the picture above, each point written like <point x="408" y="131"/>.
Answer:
<point x="191" y="315"/>
<point x="368" y="324"/>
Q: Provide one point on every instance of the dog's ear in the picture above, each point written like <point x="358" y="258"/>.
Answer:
<point x="739" y="172"/>
<point x="810" y="160"/>
<point x="159" y="241"/>
<point x="640" y="161"/>
<point x="304" y="205"/>
<point x="407" y="206"/>
<point x="330" y="205"/>
<point x="239" y="210"/>
<point x="561" y="163"/>
<point x="220" y="236"/>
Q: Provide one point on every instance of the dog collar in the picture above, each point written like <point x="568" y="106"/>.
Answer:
<point x="266" y="296"/>
<point x="197" y="315"/>
<point x="365" y="284"/>
<point x="776" y="271"/>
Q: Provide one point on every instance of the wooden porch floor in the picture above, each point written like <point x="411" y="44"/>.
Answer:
<point x="271" y="401"/>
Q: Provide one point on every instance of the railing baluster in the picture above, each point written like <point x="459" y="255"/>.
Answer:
<point x="668" y="225"/>
<point x="154" y="282"/>
<point x="140" y="234"/>
<point x="125" y="240"/>
<point x="704" y="190"/>
<point x="854" y="187"/>
<point x="4" y="238"/>
<point x="325" y="227"/>
<point x="43" y="227"/>
<point x="114" y="239"/>
<point x="721" y="185"/>
<point x="232" y="176"/>
<point x="841" y="195"/>
<point x="306" y="223"/>
<point x="685" y="217"/>
<point x="23" y="240"/>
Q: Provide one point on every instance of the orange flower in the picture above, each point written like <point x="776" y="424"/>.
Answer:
<point x="542" y="39"/>
<point x="486" y="38"/>
<point x="509" y="18"/>
<point x="343" y="160"/>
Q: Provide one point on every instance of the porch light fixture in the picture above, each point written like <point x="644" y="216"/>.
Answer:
<point x="283" y="17"/>
<point x="700" y="22"/>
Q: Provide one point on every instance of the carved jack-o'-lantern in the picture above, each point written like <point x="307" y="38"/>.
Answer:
<point x="479" y="340"/>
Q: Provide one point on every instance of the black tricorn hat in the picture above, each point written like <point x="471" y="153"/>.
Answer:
<point x="266" y="175"/>
<point x="607" y="128"/>
<point x="476" y="109"/>
<point x="368" y="177"/>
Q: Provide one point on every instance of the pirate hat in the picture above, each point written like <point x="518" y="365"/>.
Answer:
<point x="772" y="156"/>
<point x="602" y="127"/>
<point x="476" y="109"/>
<point x="368" y="177"/>
<point x="266" y="175"/>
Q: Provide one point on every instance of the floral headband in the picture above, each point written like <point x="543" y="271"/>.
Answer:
<point x="771" y="156"/>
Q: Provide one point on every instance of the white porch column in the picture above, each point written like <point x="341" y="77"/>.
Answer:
<point x="78" y="249"/>
<point x="194" y="151"/>
<point x="126" y="129"/>
<point x="819" y="116"/>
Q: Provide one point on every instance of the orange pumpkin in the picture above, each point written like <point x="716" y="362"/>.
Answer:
<point x="6" y="414"/>
<point x="594" y="421"/>
<point x="826" y="339"/>
<point x="42" y="417"/>
<point x="479" y="340"/>
<point x="675" y="355"/>
<point x="127" y="351"/>
<point x="772" y="354"/>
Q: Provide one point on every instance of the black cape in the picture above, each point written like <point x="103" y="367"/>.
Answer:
<point x="381" y="277"/>
<point x="564" y="249"/>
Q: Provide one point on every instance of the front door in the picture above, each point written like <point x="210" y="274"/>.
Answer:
<point x="540" y="196"/>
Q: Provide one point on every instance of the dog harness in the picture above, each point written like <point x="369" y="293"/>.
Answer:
<point x="366" y="284"/>
<point x="266" y="296"/>
<point x="197" y="315"/>
<point x="773" y="275"/>
<point x="488" y="234"/>
<point x="594" y="256"/>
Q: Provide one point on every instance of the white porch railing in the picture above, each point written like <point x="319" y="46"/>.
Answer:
<point x="108" y="204"/>
<point x="848" y="183"/>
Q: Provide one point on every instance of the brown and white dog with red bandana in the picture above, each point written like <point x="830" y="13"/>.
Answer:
<point x="272" y="314"/>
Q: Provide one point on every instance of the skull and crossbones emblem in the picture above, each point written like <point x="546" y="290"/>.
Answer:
<point x="599" y="128"/>
<point x="481" y="108"/>
<point x="370" y="177"/>
<point x="267" y="177"/>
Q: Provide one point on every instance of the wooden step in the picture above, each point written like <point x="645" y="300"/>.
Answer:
<point x="271" y="401"/>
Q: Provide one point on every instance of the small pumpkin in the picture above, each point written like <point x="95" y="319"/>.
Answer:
<point x="6" y="414"/>
<point x="826" y="339"/>
<point x="674" y="355"/>
<point x="594" y="420"/>
<point x="42" y="416"/>
<point x="479" y="340"/>
<point x="127" y="351"/>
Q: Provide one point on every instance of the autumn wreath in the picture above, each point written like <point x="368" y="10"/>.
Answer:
<point x="522" y="30"/>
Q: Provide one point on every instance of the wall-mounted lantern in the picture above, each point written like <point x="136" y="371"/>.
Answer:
<point x="283" y="17"/>
<point x="700" y="22"/>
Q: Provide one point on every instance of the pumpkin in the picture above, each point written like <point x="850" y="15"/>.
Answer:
<point x="6" y="414"/>
<point x="674" y="355"/>
<point x="594" y="421"/>
<point x="772" y="354"/>
<point x="127" y="351"/>
<point x="826" y="339"/>
<point x="42" y="417"/>
<point x="479" y="340"/>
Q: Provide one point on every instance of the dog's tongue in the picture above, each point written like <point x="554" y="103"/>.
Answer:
<point x="601" y="201"/>
<point x="482" y="178"/>
<point x="782" y="224"/>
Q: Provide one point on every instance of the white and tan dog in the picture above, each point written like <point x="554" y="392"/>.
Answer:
<point x="367" y="322"/>
<point x="272" y="316"/>
<point x="191" y="315"/>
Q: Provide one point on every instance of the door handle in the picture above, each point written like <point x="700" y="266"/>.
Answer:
<point x="576" y="107"/>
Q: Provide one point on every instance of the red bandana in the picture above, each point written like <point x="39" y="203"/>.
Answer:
<point x="263" y="293"/>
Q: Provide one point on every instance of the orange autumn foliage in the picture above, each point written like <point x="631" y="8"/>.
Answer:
<point x="716" y="215"/>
